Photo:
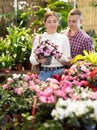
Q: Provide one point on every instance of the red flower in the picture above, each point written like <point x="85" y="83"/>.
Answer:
<point x="84" y="83"/>
<point x="94" y="89"/>
<point x="92" y="79"/>
<point x="57" y="77"/>
<point x="93" y="73"/>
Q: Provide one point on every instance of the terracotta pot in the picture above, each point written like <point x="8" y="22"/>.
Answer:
<point x="19" y="67"/>
<point x="31" y="128"/>
<point x="17" y="117"/>
<point x="27" y="65"/>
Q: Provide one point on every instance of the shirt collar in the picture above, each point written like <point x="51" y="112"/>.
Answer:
<point x="68" y="34"/>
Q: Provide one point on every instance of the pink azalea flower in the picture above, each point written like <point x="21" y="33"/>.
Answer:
<point x="74" y="97"/>
<point x="31" y="83"/>
<point x="46" y="48"/>
<point x="5" y="86"/>
<point x="51" y="99"/>
<point x="85" y="69"/>
<point x="19" y="91"/>
<point x="10" y="80"/>
<point x="92" y="95"/>
<point x="76" y="83"/>
<point x="60" y="93"/>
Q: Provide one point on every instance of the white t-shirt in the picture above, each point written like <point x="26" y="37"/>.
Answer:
<point x="64" y="47"/>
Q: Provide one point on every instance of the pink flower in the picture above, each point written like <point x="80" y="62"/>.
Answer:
<point x="53" y="85"/>
<point x="76" y="83"/>
<point x="46" y="48"/>
<point x="65" y="84"/>
<point x="5" y="86"/>
<point x="60" y="93"/>
<point x="10" y="80"/>
<point x="84" y="68"/>
<point x="74" y="97"/>
<point x="51" y="99"/>
<point x="31" y="83"/>
<point x="92" y="95"/>
<point x="19" y="91"/>
<point x="84" y="83"/>
<point x="52" y="80"/>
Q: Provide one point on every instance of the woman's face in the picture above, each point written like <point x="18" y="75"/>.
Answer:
<point x="51" y="24"/>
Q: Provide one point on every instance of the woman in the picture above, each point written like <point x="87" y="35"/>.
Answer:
<point x="57" y="65"/>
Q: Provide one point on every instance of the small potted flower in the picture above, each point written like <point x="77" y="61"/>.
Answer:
<point x="47" y="49"/>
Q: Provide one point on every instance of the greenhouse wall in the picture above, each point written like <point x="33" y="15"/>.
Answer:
<point x="89" y="14"/>
<point x="7" y="11"/>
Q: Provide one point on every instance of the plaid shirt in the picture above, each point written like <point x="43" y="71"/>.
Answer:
<point x="79" y="42"/>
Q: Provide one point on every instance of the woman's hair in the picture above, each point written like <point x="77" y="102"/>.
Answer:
<point x="50" y="13"/>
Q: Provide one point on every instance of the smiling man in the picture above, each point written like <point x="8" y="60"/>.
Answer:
<point x="79" y="39"/>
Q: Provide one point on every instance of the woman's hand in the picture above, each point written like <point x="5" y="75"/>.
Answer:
<point x="42" y="60"/>
<point x="67" y="63"/>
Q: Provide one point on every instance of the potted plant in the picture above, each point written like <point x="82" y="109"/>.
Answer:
<point x="18" y="93"/>
<point x="20" y="44"/>
<point x="5" y="57"/>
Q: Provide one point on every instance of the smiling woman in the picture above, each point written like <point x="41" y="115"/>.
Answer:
<point x="54" y="41"/>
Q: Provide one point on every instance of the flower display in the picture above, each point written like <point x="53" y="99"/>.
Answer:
<point x="78" y="74"/>
<point x="92" y="79"/>
<point x="66" y="99"/>
<point x="51" y="91"/>
<point x="46" y="48"/>
<point x="83" y="112"/>
<point x="18" y="92"/>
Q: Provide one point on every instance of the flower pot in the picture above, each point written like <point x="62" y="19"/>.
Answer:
<point x="31" y="127"/>
<point x="27" y="65"/>
<point x="68" y="127"/>
<point x="19" y="67"/>
<point x="90" y="127"/>
<point x="17" y="117"/>
<point x="48" y="60"/>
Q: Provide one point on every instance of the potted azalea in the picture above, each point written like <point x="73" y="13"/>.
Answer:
<point x="18" y="93"/>
<point x="71" y="115"/>
<point x="47" y="49"/>
<point x="71" y="94"/>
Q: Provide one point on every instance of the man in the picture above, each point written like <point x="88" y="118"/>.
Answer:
<point x="79" y="40"/>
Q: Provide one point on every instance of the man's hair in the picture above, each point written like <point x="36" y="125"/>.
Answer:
<point x="75" y="12"/>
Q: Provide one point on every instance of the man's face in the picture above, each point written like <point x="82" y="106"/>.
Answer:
<point x="74" y="22"/>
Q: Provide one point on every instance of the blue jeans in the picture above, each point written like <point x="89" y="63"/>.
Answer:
<point x="48" y="74"/>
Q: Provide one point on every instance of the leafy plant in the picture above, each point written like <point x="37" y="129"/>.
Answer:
<point x="6" y="59"/>
<point x="16" y="47"/>
<point x="17" y="92"/>
<point x="51" y="125"/>
<point x="20" y="43"/>
<point x="88" y="56"/>
<point x="62" y="8"/>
